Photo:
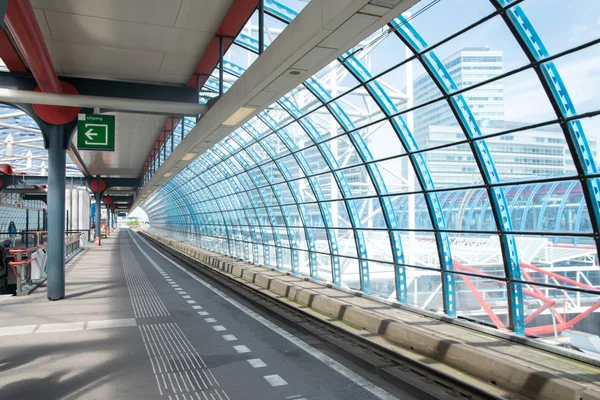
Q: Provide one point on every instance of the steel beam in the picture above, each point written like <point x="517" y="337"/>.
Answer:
<point x="107" y="88"/>
<point x="14" y="180"/>
<point x="102" y="102"/>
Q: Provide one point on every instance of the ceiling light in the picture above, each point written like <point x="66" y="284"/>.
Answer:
<point x="168" y="174"/>
<point x="238" y="116"/>
<point x="189" y="156"/>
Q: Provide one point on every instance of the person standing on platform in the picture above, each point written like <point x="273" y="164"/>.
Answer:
<point x="12" y="232"/>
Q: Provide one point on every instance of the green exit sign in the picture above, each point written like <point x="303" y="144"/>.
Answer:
<point x="96" y="132"/>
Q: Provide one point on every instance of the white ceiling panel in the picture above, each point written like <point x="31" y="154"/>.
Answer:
<point x="41" y="19"/>
<point x="153" y="12"/>
<point x="125" y="35"/>
<point x="108" y="58"/>
<point x="120" y="74"/>
<point x="159" y="41"/>
<point x="202" y="15"/>
<point x="176" y="64"/>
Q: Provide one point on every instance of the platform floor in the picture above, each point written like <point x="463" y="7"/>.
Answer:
<point x="133" y="326"/>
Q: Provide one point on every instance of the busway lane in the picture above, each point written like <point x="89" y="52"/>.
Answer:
<point x="250" y="356"/>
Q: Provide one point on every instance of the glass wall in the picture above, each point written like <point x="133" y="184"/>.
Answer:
<point x="448" y="164"/>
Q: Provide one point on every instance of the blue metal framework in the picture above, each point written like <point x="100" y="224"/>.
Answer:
<point x="309" y="186"/>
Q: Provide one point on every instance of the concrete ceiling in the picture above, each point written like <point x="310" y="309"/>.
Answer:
<point x="134" y="40"/>
<point x="142" y="40"/>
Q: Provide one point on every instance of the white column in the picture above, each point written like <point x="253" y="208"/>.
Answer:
<point x="68" y="203"/>
<point x="84" y="209"/>
<point x="75" y="209"/>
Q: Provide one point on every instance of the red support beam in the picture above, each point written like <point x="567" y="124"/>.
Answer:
<point x="8" y="54"/>
<point x="21" y="22"/>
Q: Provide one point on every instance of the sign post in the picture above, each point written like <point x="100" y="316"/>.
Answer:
<point x="96" y="132"/>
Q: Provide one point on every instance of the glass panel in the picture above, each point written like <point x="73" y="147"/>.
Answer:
<point x="382" y="280"/>
<point x="477" y="254"/>
<point x="576" y="71"/>
<point x="562" y="311"/>
<point x="577" y="20"/>
<point x="378" y="245"/>
<point x="430" y="18"/>
<point x="481" y="299"/>
<point x="381" y="140"/>
<point x="501" y="104"/>
<point x="350" y="273"/>
<point x="591" y="129"/>
<point x="424" y="289"/>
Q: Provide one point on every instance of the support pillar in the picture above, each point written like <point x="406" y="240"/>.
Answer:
<point x="261" y="26"/>
<point x="108" y="227"/>
<point x="55" y="136"/>
<point x="98" y="196"/>
<point x="221" y="53"/>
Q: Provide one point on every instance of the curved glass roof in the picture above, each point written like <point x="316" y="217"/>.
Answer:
<point x="444" y="163"/>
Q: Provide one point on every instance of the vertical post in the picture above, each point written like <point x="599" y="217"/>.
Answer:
<point x="221" y="65"/>
<point x="107" y="219"/>
<point x="27" y="228"/>
<point x="38" y="225"/>
<point x="261" y="26"/>
<point x="98" y="216"/>
<point x="67" y="222"/>
<point x="197" y="101"/>
<point x="45" y="220"/>
<point x="56" y="210"/>
<point x="182" y="128"/>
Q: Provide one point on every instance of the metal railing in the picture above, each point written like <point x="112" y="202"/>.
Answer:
<point x="28" y="264"/>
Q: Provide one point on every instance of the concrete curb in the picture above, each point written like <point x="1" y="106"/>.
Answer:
<point x="492" y="367"/>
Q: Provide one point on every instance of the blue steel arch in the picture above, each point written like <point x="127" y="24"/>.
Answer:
<point x="559" y="96"/>
<point x="501" y="202"/>
<point x="487" y="168"/>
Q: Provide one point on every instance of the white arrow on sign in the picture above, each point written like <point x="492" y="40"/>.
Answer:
<point x="91" y="134"/>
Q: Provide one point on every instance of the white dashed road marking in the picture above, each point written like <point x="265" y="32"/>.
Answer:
<point x="219" y="328"/>
<point x="257" y="363"/>
<point x="210" y="320"/>
<point x="275" y="380"/>
<point x="241" y="349"/>
<point x="229" y="338"/>
<point x="66" y="327"/>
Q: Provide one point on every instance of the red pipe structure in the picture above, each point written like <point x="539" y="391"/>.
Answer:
<point x="22" y="24"/>
<point x="547" y="303"/>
